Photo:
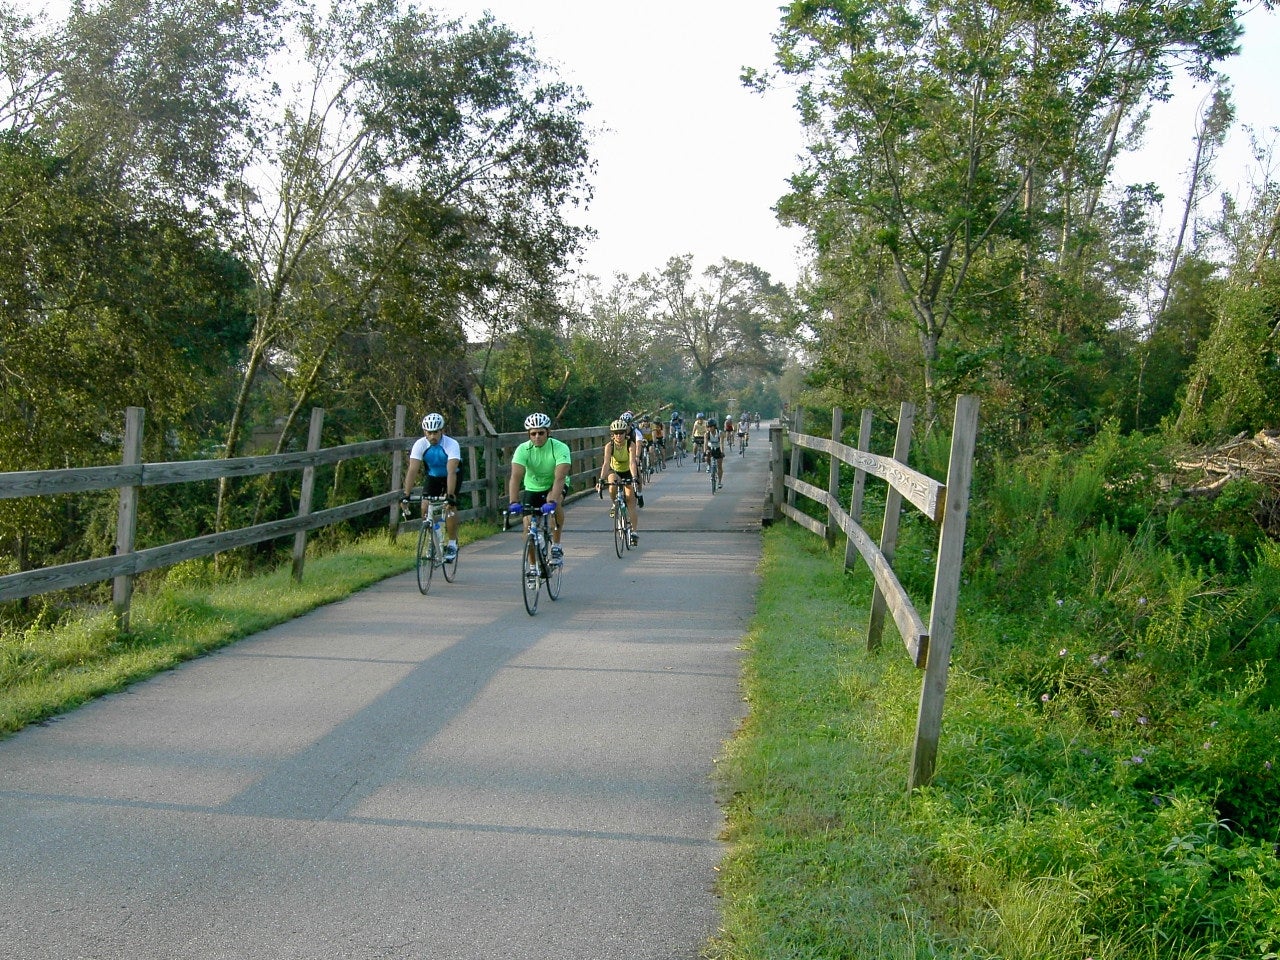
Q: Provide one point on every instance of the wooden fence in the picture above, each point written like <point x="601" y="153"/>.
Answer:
<point x="485" y="469"/>
<point x="947" y="504"/>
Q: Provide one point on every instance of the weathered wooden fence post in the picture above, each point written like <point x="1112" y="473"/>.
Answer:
<point x="777" y="488"/>
<point x="833" y="477"/>
<point x="397" y="465"/>
<point x="797" y="426"/>
<point x="308" y="488"/>
<point x="859" y="487"/>
<point x="946" y="588"/>
<point x="127" y="515"/>
<point x="892" y="517"/>
<point x="492" y="476"/>
<point x="473" y="461"/>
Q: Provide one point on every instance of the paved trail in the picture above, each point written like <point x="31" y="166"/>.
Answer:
<point x="399" y="776"/>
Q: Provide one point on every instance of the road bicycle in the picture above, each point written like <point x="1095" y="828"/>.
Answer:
<point x="699" y="453"/>
<point x="430" y="542"/>
<point x="622" y="529"/>
<point x="678" y="453"/>
<point x="537" y="569"/>
<point x="717" y="479"/>
<point x="742" y="443"/>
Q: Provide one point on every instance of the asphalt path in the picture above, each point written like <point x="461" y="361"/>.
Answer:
<point x="398" y="776"/>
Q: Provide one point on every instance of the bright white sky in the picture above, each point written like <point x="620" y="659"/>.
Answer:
<point x="691" y="162"/>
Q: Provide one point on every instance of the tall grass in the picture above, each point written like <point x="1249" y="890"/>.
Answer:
<point x="1107" y="782"/>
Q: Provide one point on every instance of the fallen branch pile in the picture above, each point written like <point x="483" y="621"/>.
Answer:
<point x="1205" y="472"/>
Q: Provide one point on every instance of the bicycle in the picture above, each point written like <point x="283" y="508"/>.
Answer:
<point x="699" y="452"/>
<point x="742" y="443"/>
<point x="678" y="454"/>
<point x="430" y="546"/>
<point x="717" y="480"/>
<point x="622" y="531"/>
<point x="537" y="570"/>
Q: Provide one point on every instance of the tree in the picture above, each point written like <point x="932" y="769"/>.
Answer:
<point x="1234" y="382"/>
<point x="970" y="144"/>
<point x="736" y="319"/>
<point x="412" y="141"/>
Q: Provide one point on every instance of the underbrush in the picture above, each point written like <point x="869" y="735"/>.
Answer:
<point x="1107" y="782"/>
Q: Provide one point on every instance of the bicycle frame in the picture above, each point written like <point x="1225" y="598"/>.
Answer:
<point x="622" y="529"/>
<point x="536" y="569"/>
<point x="430" y="553"/>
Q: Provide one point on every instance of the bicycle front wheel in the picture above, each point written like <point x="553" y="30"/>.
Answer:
<point x="620" y="530"/>
<point x="449" y="567"/>
<point x="425" y="566"/>
<point x="529" y="580"/>
<point x="552" y="572"/>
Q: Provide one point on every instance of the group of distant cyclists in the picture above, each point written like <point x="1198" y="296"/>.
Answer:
<point x="540" y="465"/>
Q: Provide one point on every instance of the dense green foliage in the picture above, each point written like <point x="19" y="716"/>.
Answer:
<point x="1107" y="783"/>
<point x="969" y="236"/>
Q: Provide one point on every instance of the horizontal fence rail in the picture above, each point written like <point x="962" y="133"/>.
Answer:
<point x="485" y="467"/>
<point x="946" y="504"/>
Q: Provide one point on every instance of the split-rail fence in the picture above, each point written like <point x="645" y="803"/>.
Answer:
<point x="946" y="504"/>
<point x="485" y="467"/>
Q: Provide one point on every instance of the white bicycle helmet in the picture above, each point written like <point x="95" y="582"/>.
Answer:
<point x="628" y="416"/>
<point x="618" y="426"/>
<point x="537" y="421"/>
<point x="433" y="421"/>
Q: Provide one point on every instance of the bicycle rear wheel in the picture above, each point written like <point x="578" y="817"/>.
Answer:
<point x="424" y="565"/>
<point x="620" y="529"/>
<point x="529" y="581"/>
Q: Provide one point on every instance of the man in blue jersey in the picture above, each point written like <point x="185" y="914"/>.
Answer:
<point x="440" y="456"/>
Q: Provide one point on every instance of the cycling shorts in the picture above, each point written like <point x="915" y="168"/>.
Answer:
<point x="533" y="499"/>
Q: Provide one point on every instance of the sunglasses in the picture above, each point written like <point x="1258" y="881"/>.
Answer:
<point x="537" y="433"/>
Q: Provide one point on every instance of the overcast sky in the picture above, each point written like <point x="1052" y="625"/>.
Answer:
<point x="691" y="162"/>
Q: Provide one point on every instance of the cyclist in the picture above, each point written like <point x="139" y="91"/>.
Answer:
<point x="629" y="419"/>
<point x="646" y="437"/>
<point x="727" y="437"/>
<point x="699" y="434"/>
<point x="540" y="476"/>
<point x="677" y="428"/>
<point x="715" y="455"/>
<point x="621" y="462"/>
<point x="660" y="441"/>
<point x="440" y="455"/>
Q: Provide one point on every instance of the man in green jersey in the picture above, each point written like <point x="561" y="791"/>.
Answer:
<point x="539" y="474"/>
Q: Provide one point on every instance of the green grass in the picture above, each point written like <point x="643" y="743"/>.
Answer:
<point x="1053" y="829"/>
<point x="47" y="670"/>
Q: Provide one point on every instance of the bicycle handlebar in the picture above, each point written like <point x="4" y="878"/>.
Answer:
<point x="419" y="497"/>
